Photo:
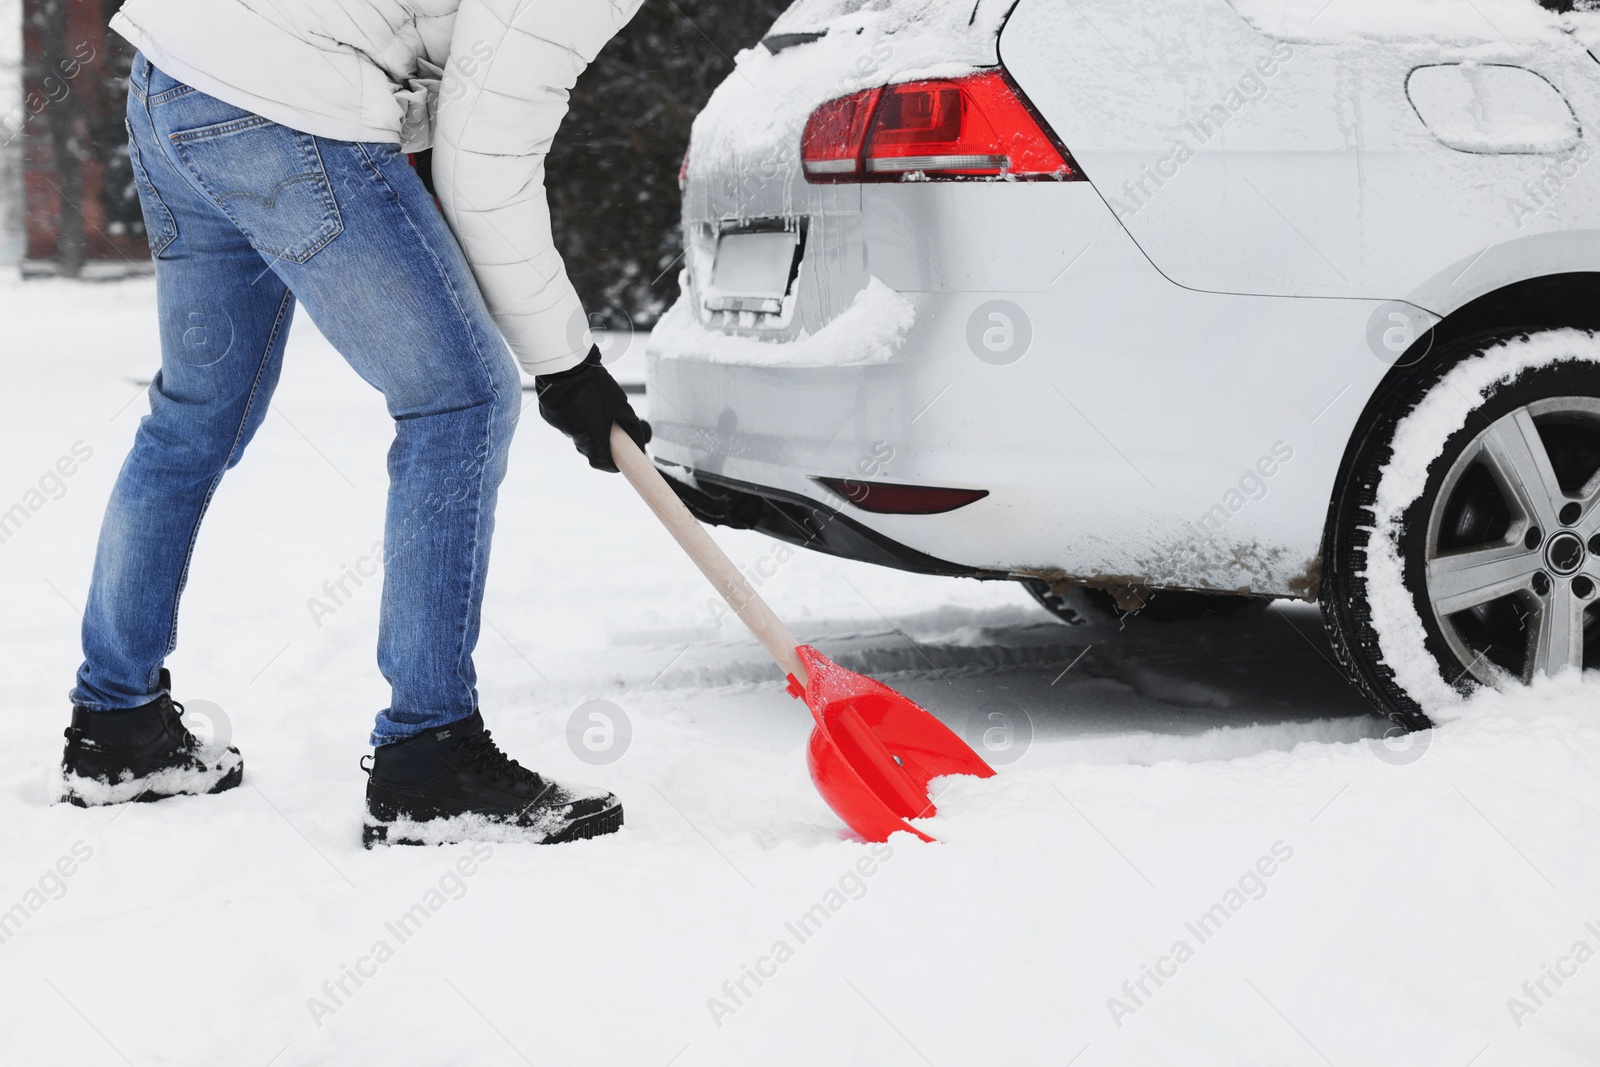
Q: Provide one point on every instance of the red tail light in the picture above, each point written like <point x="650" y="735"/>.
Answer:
<point x="830" y="149"/>
<point x="963" y="129"/>
<point x="887" y="499"/>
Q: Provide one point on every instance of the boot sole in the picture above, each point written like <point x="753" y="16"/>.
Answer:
<point x="590" y="826"/>
<point x="231" y="780"/>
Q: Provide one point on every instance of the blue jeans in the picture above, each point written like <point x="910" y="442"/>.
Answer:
<point x="246" y="218"/>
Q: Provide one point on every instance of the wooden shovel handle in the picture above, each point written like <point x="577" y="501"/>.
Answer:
<point x="712" y="561"/>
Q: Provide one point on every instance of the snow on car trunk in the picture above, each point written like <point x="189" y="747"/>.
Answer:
<point x="1454" y="21"/>
<point x="745" y="185"/>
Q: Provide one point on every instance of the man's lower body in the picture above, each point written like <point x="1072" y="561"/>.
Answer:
<point x="247" y="219"/>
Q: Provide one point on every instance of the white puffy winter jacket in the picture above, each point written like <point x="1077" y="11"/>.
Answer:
<point x="483" y="82"/>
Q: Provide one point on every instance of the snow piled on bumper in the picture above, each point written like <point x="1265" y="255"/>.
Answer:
<point x="871" y="330"/>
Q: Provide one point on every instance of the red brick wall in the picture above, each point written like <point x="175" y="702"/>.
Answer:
<point x="80" y="204"/>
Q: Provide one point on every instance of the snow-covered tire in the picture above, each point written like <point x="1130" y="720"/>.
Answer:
<point x="1463" y="543"/>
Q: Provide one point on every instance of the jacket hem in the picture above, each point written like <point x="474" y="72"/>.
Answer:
<point x="550" y="366"/>
<point x="315" y="125"/>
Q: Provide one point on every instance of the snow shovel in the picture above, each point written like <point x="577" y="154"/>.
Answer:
<point x="873" y="751"/>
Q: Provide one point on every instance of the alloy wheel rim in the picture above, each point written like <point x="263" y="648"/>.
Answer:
<point x="1513" y="544"/>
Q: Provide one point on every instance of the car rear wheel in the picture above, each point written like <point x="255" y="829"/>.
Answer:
<point x="1464" y="548"/>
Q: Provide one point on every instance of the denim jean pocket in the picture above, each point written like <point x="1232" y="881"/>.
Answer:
<point x="160" y="228"/>
<point x="269" y="180"/>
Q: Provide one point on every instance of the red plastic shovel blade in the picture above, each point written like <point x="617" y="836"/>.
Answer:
<point x="874" y="751"/>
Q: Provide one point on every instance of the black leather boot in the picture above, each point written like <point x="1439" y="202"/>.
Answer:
<point x="142" y="754"/>
<point x="452" y="783"/>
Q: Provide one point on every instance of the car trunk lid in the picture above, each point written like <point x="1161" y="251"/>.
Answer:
<point x="768" y="254"/>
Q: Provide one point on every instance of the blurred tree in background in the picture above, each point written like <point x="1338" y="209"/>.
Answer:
<point x="81" y="204"/>
<point x="612" y="174"/>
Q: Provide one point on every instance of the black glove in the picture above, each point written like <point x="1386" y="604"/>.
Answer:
<point x="583" y="403"/>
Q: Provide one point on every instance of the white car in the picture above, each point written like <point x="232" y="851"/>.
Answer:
<point x="1265" y="298"/>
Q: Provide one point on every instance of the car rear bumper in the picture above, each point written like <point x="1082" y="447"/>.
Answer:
<point x="808" y="523"/>
<point x="1128" y="414"/>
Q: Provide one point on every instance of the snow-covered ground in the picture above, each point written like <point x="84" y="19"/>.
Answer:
<point x="1196" y="851"/>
